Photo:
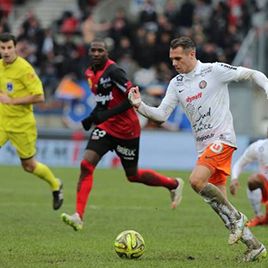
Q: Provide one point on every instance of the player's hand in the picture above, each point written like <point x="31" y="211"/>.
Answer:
<point x="234" y="186"/>
<point x="134" y="97"/>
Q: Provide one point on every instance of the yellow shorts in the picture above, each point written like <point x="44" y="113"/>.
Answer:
<point x="24" y="141"/>
<point x="217" y="157"/>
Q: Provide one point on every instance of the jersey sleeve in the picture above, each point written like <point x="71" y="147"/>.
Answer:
<point x="32" y="82"/>
<point x="249" y="156"/>
<point x="119" y="78"/>
<point x="227" y="73"/>
<point x="163" y="111"/>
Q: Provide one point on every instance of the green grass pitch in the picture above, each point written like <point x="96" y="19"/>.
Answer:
<point x="32" y="234"/>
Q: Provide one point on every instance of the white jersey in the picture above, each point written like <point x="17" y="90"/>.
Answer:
<point x="203" y="95"/>
<point x="256" y="152"/>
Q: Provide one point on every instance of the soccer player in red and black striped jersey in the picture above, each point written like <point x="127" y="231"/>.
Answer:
<point x="117" y="129"/>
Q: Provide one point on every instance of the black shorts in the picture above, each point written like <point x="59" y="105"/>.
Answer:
<point x="127" y="150"/>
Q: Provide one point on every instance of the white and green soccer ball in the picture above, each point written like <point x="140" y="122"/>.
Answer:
<point x="129" y="244"/>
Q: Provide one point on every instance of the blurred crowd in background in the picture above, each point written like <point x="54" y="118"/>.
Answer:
<point x="140" y="46"/>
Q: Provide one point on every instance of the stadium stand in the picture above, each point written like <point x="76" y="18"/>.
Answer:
<point x="54" y="36"/>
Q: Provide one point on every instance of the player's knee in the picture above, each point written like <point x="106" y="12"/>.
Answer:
<point x="28" y="167"/>
<point x="254" y="182"/>
<point x="86" y="168"/>
<point x="132" y="174"/>
<point x="196" y="183"/>
<point x="133" y="178"/>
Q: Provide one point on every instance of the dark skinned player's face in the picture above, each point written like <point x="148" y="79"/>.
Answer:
<point x="98" y="54"/>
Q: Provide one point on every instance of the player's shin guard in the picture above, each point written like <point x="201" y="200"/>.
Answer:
<point x="213" y="196"/>
<point x="84" y="186"/>
<point x="152" y="178"/>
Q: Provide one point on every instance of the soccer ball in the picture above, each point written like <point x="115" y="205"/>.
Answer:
<point x="129" y="244"/>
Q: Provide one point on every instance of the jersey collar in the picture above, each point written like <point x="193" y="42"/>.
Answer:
<point x="195" y="71"/>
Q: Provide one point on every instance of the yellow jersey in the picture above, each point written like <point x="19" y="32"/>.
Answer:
<point x="18" y="79"/>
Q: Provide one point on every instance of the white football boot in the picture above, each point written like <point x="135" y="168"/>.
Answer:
<point x="73" y="221"/>
<point x="176" y="194"/>
<point x="255" y="254"/>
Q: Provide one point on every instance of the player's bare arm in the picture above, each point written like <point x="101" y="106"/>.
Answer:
<point x="31" y="99"/>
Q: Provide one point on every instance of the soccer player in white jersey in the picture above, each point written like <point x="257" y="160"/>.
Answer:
<point x="257" y="182"/>
<point x="202" y="91"/>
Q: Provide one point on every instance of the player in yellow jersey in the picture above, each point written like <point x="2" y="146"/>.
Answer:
<point x="20" y="88"/>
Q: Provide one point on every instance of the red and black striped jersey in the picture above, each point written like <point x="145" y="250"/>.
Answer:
<point x="110" y="87"/>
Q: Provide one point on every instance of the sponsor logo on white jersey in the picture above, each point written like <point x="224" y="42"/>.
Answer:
<point x="229" y="66"/>
<point x="203" y="84"/>
<point x="195" y="97"/>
